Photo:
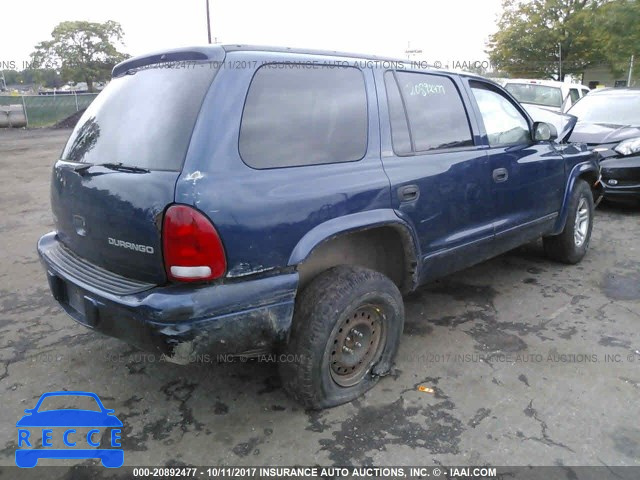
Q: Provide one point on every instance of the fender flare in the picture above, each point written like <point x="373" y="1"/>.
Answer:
<point x="358" y="222"/>
<point x="576" y="172"/>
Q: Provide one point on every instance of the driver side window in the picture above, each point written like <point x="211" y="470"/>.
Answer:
<point x="504" y="124"/>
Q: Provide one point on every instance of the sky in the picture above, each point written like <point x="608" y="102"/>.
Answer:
<point x="445" y="30"/>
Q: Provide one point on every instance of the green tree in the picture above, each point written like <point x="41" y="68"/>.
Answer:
<point x="530" y="34"/>
<point x="81" y="51"/>
<point x="618" y="35"/>
<point x="44" y="76"/>
<point x="12" y="77"/>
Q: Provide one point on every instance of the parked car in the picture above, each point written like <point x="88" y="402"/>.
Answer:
<point x="549" y="94"/>
<point x="236" y="200"/>
<point x="609" y="122"/>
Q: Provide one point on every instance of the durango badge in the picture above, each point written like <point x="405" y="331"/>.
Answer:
<point x="131" y="246"/>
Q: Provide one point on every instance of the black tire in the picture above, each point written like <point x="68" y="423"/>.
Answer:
<point x="565" y="247"/>
<point x="321" y="375"/>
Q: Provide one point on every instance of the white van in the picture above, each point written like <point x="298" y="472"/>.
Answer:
<point x="549" y="94"/>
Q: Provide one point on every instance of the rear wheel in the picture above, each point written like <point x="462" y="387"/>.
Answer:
<point x="572" y="244"/>
<point x="346" y="331"/>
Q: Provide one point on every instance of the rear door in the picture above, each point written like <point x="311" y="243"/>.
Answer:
<point x="118" y="171"/>
<point x="440" y="178"/>
<point x="527" y="178"/>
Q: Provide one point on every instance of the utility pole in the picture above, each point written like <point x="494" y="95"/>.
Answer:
<point x="630" y="72"/>
<point x="560" y="62"/>
<point x="208" y="23"/>
<point x="410" y="52"/>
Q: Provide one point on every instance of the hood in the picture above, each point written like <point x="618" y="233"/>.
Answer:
<point x="599" y="133"/>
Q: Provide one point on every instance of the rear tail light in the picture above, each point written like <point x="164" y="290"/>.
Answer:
<point x="191" y="246"/>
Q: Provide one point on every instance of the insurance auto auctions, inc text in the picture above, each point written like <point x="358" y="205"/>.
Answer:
<point x="348" y="472"/>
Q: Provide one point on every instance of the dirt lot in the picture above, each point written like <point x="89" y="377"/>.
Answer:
<point x="531" y="362"/>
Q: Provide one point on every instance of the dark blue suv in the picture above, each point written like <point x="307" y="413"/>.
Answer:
<point x="244" y="200"/>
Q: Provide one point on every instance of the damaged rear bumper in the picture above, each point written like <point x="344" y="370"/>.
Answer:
<point x="183" y="322"/>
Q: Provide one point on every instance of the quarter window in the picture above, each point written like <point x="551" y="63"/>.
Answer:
<point x="300" y="116"/>
<point x="400" y="137"/>
<point x="504" y="124"/>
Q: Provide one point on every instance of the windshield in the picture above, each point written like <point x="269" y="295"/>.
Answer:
<point x="144" y="118"/>
<point x="612" y="109"/>
<point x="536" y="94"/>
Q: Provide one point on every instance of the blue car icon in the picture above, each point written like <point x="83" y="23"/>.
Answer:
<point x="70" y="419"/>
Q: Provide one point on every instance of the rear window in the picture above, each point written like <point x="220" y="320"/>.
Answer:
<point x="301" y="116"/>
<point x="143" y="119"/>
<point x="435" y="112"/>
<point x="536" y="94"/>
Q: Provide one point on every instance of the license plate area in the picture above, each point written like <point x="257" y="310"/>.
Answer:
<point x="75" y="299"/>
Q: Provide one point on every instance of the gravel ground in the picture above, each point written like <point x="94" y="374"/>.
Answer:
<point x="530" y="362"/>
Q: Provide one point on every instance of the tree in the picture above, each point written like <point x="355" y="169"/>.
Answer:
<point x="619" y="36"/>
<point x="45" y="76"/>
<point x="81" y="51"/>
<point x="531" y="34"/>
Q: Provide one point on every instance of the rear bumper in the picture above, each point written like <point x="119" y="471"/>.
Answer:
<point x="183" y="322"/>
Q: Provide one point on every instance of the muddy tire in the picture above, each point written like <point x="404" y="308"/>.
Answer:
<point x="572" y="244"/>
<point x="345" y="334"/>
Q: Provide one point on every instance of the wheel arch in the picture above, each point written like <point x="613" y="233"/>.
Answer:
<point x="587" y="171"/>
<point x="376" y="239"/>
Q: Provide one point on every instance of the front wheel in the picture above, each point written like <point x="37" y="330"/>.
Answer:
<point x="346" y="330"/>
<point x="572" y="244"/>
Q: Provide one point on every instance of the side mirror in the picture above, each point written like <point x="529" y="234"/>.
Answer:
<point x="544" y="132"/>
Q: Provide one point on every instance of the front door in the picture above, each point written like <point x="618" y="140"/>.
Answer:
<point x="528" y="178"/>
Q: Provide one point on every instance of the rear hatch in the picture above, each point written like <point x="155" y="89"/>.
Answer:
<point x="118" y="170"/>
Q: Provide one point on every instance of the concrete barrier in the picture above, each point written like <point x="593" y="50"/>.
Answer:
<point x="12" y="116"/>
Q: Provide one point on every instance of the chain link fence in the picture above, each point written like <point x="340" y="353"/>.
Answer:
<point x="47" y="110"/>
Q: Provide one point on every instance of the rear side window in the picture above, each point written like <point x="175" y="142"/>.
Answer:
<point x="143" y="119"/>
<point x="575" y="95"/>
<point x="304" y="116"/>
<point x="435" y="112"/>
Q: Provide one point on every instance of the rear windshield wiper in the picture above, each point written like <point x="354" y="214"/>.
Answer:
<point x="125" y="168"/>
<point x="113" y="166"/>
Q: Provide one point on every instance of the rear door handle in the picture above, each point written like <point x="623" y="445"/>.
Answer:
<point x="408" y="193"/>
<point x="500" y="175"/>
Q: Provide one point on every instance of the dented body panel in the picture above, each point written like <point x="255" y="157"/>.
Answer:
<point x="181" y="321"/>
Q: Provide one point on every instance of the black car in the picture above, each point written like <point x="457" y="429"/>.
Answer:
<point x="609" y="122"/>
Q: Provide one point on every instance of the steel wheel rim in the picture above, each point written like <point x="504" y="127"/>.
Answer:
<point x="581" y="226"/>
<point x="355" y="344"/>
